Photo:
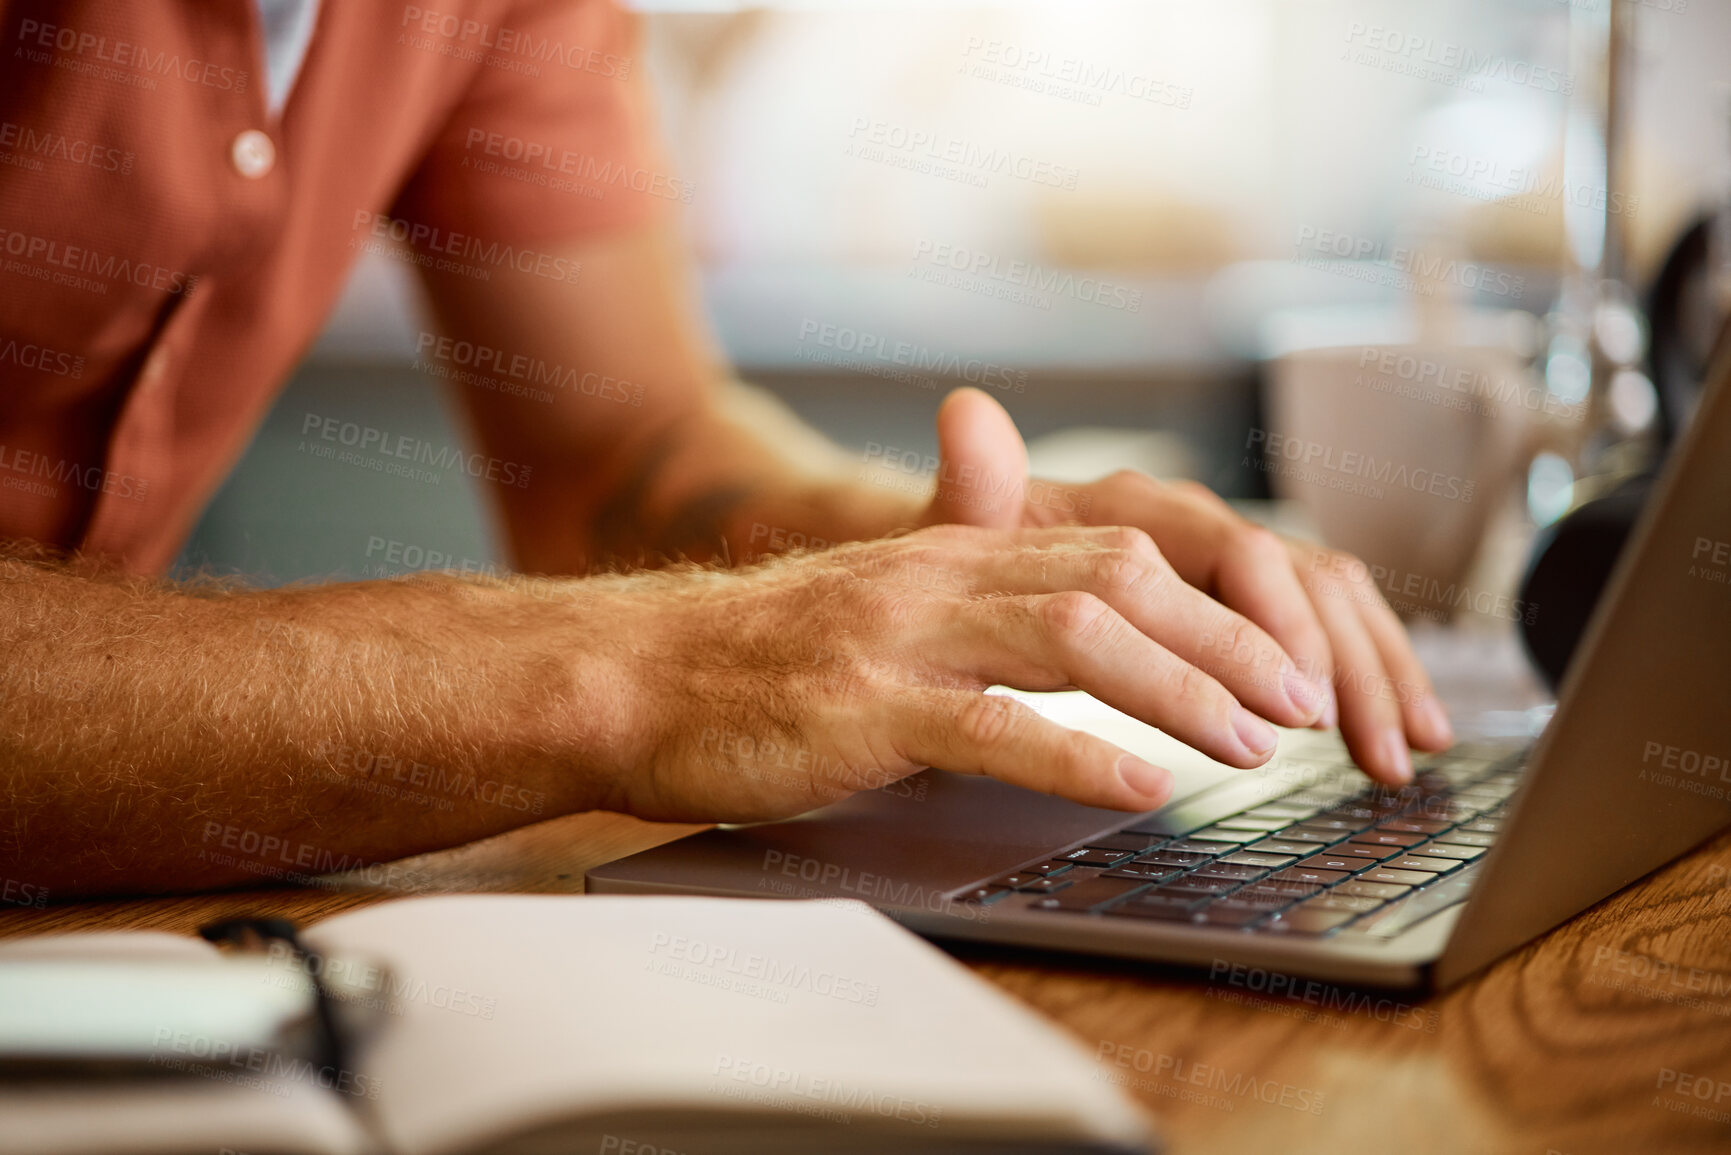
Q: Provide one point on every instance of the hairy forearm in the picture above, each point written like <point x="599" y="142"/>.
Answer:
<point x="156" y="737"/>
<point x="725" y="481"/>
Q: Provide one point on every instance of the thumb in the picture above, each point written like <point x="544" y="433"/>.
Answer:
<point x="982" y="464"/>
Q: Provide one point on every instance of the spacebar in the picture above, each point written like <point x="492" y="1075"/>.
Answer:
<point x="1210" y="806"/>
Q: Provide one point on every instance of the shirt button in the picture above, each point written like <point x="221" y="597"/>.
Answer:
<point x="253" y="154"/>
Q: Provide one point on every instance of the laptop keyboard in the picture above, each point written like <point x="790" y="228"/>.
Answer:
<point x="1337" y="851"/>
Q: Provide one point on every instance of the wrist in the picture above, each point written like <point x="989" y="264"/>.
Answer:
<point x="555" y="709"/>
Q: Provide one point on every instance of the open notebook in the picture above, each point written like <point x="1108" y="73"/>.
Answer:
<point x="534" y="1025"/>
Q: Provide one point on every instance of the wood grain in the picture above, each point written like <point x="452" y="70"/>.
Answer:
<point x="1542" y="1052"/>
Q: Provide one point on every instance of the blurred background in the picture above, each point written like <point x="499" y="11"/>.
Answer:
<point x="1241" y="241"/>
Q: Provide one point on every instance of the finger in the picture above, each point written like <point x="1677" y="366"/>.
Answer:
<point x="976" y="733"/>
<point x="1243" y="565"/>
<point x="1074" y="638"/>
<point x="1123" y="568"/>
<point x="1427" y="723"/>
<point x="1255" y="573"/>
<point x="1370" y="720"/>
<point x="983" y="465"/>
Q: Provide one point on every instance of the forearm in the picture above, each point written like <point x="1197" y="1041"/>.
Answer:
<point x="747" y="478"/>
<point x="731" y="477"/>
<point x="670" y="461"/>
<point x="158" y="738"/>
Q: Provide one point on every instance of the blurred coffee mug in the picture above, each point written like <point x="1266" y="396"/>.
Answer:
<point x="1401" y="454"/>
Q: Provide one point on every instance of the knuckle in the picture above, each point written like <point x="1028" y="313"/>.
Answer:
<point x="989" y="720"/>
<point x="1134" y="539"/>
<point x="1129" y="479"/>
<point x="1196" y="491"/>
<point x="1121" y="477"/>
<point x="1261" y="544"/>
<point x="1074" y="615"/>
<point x="1142" y="542"/>
<point x="1119" y="571"/>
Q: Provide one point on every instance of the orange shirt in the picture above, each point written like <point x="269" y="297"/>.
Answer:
<point x="168" y="249"/>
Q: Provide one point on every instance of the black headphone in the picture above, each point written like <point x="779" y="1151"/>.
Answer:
<point x="1573" y="557"/>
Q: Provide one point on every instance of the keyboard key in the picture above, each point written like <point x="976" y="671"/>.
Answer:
<point x="1275" y="895"/>
<point x="1481" y="826"/>
<point x="1344" y="825"/>
<point x="1250" y="858"/>
<point x="1448" y="850"/>
<point x="983" y="894"/>
<point x="1281" y="810"/>
<point x="1229" y="870"/>
<point x="1145" y="871"/>
<point x="1226" y="914"/>
<point x="1462" y="837"/>
<point x="1385" y="837"/>
<point x="1317" y="799"/>
<point x="1308" y="874"/>
<point x="1019" y="879"/>
<point x="1088" y="895"/>
<point x="1334" y="900"/>
<point x="1367" y="850"/>
<point x="1045" y="868"/>
<point x="1134" y="843"/>
<point x="1414" y="826"/>
<point x="1243" y="822"/>
<point x="1305" y="833"/>
<point x="1092" y="856"/>
<point x="1217" y="834"/>
<point x="1431" y="865"/>
<point x="1141" y="908"/>
<point x="1307" y="921"/>
<point x="1342" y="862"/>
<point x="1192" y="814"/>
<point x="1172" y="858"/>
<point x="1362" y="815"/>
<point x="1038" y="883"/>
<point x="1284" y="845"/>
<point x="1359" y="888"/>
<point x="1400" y="877"/>
<point x="1201" y="846"/>
<point x="1198" y="885"/>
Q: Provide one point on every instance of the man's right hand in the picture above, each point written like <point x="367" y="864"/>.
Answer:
<point x="756" y="694"/>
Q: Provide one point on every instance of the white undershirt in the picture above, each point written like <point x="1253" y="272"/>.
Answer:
<point x="288" y="29"/>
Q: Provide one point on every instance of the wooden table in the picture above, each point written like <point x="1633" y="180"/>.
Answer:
<point x="1559" y="1048"/>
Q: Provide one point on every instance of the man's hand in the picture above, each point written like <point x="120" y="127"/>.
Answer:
<point x="764" y="692"/>
<point x="679" y="478"/>
<point x="1316" y="603"/>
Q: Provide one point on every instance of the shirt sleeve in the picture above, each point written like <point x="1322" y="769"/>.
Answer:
<point x="555" y="137"/>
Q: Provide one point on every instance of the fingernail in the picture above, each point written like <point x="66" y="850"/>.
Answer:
<point x="1438" y="719"/>
<point x="1331" y="711"/>
<point x="1306" y="696"/>
<point x="1396" y="758"/>
<point x="1144" y="778"/>
<point x="1255" y="735"/>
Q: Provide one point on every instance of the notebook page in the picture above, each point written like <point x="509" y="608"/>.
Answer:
<point x="516" y="1013"/>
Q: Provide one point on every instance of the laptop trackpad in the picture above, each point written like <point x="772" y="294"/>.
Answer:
<point x="913" y="840"/>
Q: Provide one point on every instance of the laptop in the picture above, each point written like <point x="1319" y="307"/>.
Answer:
<point x="1303" y="868"/>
